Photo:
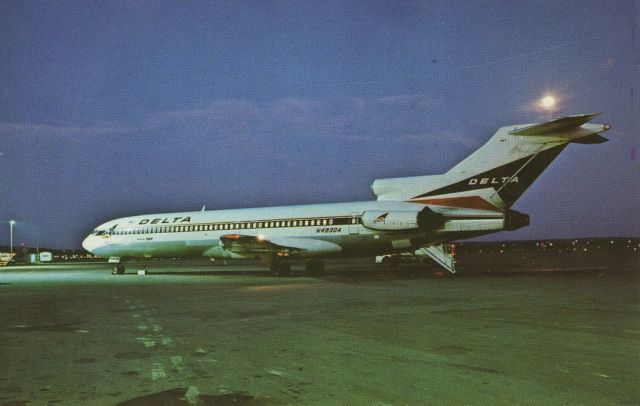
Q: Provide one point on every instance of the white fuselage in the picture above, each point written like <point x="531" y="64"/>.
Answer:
<point x="199" y="233"/>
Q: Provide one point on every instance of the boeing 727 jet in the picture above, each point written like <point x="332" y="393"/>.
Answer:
<point x="422" y="212"/>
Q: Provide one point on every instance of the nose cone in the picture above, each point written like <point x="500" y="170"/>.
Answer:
<point x="88" y="244"/>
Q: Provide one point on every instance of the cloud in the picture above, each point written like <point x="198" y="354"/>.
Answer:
<point x="415" y="100"/>
<point x="42" y="130"/>
<point x="238" y="120"/>
<point x="349" y="117"/>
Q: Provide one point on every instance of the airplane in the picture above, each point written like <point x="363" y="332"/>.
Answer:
<point x="471" y="199"/>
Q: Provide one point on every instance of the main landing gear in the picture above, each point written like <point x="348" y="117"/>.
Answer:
<point x="119" y="269"/>
<point x="280" y="268"/>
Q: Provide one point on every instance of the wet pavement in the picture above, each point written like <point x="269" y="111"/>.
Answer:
<point x="198" y="333"/>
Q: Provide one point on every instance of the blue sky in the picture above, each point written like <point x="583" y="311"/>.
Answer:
<point x="119" y="108"/>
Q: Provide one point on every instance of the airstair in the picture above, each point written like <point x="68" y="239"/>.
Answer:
<point x="443" y="255"/>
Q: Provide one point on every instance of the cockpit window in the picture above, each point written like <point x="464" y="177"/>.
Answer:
<point x="100" y="232"/>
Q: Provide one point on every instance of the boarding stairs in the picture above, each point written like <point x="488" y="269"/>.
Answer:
<point x="441" y="254"/>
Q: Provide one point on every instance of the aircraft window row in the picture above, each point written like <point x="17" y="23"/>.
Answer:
<point x="235" y="226"/>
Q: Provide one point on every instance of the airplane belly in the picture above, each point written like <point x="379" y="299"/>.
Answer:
<point x="159" y="249"/>
<point x="376" y="244"/>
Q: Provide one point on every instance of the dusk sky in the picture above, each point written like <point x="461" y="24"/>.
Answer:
<point x="110" y="109"/>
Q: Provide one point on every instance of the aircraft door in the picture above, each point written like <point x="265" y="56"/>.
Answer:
<point x="353" y="223"/>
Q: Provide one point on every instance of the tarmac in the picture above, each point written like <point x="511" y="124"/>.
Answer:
<point x="207" y="334"/>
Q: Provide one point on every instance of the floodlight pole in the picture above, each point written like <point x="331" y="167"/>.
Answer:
<point x="11" y="223"/>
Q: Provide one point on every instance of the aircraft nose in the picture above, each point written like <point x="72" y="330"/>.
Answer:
<point x="88" y="243"/>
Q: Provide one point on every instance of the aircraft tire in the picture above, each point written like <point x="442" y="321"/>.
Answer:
<point x="118" y="269"/>
<point x="284" y="268"/>
<point x="390" y="262"/>
<point x="280" y="268"/>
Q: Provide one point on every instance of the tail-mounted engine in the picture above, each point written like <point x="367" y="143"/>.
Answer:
<point x="425" y="220"/>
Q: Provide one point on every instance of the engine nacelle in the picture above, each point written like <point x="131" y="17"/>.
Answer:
<point x="425" y="220"/>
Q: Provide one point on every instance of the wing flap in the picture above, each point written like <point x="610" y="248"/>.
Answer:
<point x="282" y="246"/>
<point x="252" y="245"/>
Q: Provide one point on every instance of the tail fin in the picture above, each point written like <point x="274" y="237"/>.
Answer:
<point x="496" y="174"/>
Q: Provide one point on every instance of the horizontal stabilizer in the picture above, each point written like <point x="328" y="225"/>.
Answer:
<point x="555" y="126"/>
<point x="591" y="139"/>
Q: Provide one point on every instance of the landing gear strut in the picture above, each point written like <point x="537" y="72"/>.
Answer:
<point x="118" y="269"/>
<point x="279" y="267"/>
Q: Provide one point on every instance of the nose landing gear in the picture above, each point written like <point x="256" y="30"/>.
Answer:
<point x="119" y="269"/>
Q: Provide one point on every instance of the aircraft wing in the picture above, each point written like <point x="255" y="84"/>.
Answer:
<point x="251" y="245"/>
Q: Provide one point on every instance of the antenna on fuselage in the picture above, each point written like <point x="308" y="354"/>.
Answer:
<point x="203" y="207"/>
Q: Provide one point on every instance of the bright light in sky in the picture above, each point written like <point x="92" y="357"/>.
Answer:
<point x="548" y="102"/>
